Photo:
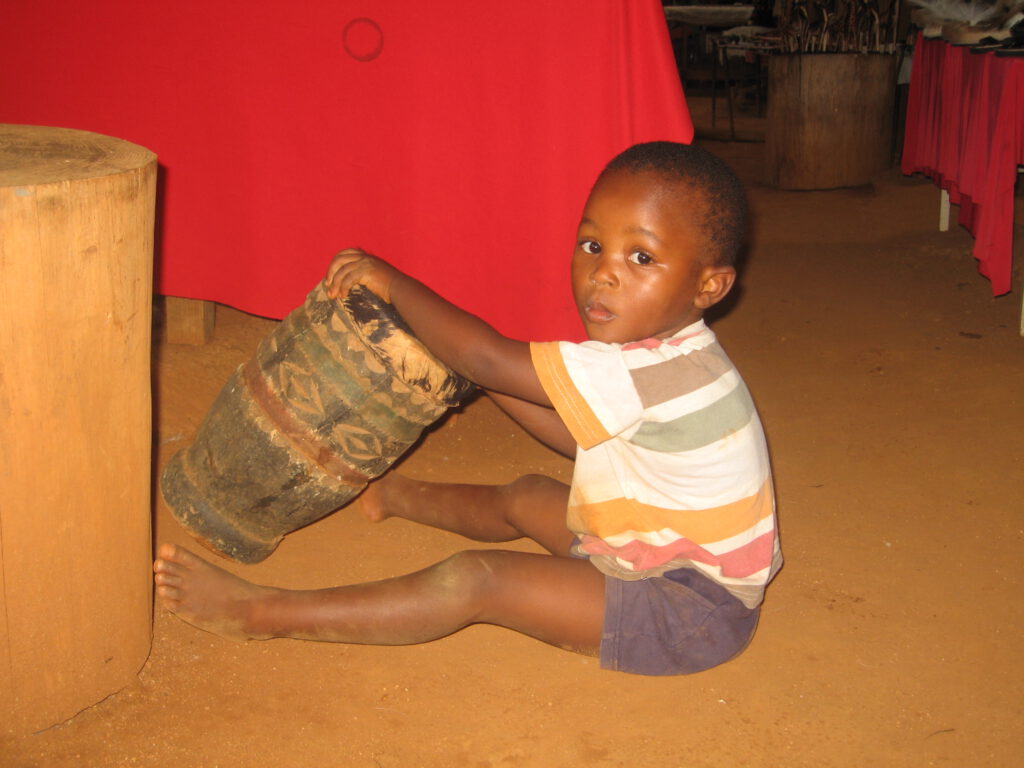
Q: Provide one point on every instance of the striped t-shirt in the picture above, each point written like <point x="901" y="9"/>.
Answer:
<point x="671" y="467"/>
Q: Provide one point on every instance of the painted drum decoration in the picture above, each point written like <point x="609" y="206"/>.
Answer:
<point x="331" y="399"/>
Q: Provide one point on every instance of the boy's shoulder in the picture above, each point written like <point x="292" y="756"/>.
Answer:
<point x="694" y="348"/>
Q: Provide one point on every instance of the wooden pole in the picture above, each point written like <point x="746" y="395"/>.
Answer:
<point x="76" y="249"/>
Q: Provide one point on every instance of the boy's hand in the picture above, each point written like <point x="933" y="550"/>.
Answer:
<point x="356" y="267"/>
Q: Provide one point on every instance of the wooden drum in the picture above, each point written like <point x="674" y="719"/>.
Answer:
<point x="331" y="399"/>
<point x="76" y="274"/>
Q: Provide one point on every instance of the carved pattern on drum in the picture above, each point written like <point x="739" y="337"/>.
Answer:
<point x="358" y="444"/>
<point x="300" y="390"/>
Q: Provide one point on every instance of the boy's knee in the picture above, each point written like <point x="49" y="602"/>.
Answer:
<point x="469" y="577"/>
<point x="465" y="572"/>
<point x="531" y="484"/>
<point x="532" y="495"/>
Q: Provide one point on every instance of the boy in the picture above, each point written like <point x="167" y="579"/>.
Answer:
<point x="670" y="539"/>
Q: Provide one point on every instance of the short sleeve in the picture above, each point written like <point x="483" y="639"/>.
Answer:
<point x="590" y="387"/>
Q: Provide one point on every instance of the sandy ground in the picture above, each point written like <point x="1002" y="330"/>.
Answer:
<point x="891" y="385"/>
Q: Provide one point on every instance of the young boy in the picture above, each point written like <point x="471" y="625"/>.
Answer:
<point x="661" y="549"/>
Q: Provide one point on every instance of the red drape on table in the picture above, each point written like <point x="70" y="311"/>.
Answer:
<point x="456" y="139"/>
<point x="965" y="130"/>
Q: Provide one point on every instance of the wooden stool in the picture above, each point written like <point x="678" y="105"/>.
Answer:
<point x="76" y="265"/>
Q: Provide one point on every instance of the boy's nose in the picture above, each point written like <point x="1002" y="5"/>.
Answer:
<point x="603" y="272"/>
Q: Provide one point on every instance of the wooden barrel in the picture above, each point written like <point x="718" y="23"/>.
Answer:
<point x="330" y="400"/>
<point x="830" y="119"/>
<point x="76" y="261"/>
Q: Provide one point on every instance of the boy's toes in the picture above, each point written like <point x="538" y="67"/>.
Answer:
<point x="171" y="553"/>
<point x="166" y="579"/>
<point x="168" y="593"/>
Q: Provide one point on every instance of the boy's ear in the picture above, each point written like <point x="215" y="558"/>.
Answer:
<point x="715" y="283"/>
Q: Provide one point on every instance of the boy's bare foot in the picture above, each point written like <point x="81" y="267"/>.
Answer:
<point x="371" y="502"/>
<point x="209" y="597"/>
<point x="385" y="497"/>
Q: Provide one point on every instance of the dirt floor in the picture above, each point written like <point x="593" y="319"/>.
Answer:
<point x="891" y="385"/>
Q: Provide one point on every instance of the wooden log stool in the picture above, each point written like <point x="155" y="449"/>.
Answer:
<point x="76" y="261"/>
<point x="830" y="119"/>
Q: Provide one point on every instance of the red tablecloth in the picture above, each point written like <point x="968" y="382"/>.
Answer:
<point x="456" y="139"/>
<point x="965" y="130"/>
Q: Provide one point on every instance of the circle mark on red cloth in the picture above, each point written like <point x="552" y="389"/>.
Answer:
<point x="363" y="39"/>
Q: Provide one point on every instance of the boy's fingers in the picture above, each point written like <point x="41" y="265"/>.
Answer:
<point x="346" y="279"/>
<point x="335" y="284"/>
<point x="351" y="274"/>
<point x="342" y="281"/>
<point x="354" y="266"/>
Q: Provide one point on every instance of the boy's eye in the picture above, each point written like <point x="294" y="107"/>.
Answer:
<point x="591" y="246"/>
<point x="641" y="258"/>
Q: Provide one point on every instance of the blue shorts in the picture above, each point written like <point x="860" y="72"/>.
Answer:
<point x="674" y="624"/>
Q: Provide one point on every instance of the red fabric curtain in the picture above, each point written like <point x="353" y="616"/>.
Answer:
<point x="457" y="140"/>
<point x="965" y="131"/>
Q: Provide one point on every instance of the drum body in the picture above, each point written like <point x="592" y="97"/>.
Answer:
<point x="332" y="398"/>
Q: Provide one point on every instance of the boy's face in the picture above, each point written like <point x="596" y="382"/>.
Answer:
<point x="638" y="271"/>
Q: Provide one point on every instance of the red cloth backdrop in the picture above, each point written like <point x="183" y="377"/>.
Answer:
<point x="456" y="139"/>
<point x="965" y="131"/>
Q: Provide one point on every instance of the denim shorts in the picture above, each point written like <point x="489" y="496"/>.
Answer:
<point x="674" y="624"/>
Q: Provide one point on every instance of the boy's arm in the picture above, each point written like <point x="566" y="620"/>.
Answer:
<point x="464" y="342"/>
<point x="540" y="421"/>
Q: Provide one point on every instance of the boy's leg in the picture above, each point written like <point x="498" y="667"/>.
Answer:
<point x="559" y="600"/>
<point x="533" y="506"/>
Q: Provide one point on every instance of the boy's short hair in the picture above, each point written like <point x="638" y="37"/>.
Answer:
<point x="725" y="202"/>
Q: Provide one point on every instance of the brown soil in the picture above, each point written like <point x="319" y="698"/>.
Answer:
<point x="891" y="385"/>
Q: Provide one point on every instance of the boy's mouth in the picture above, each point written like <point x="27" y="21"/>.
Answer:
<point x="596" y="312"/>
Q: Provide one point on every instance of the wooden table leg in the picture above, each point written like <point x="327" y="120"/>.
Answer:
<point x="189" y="321"/>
